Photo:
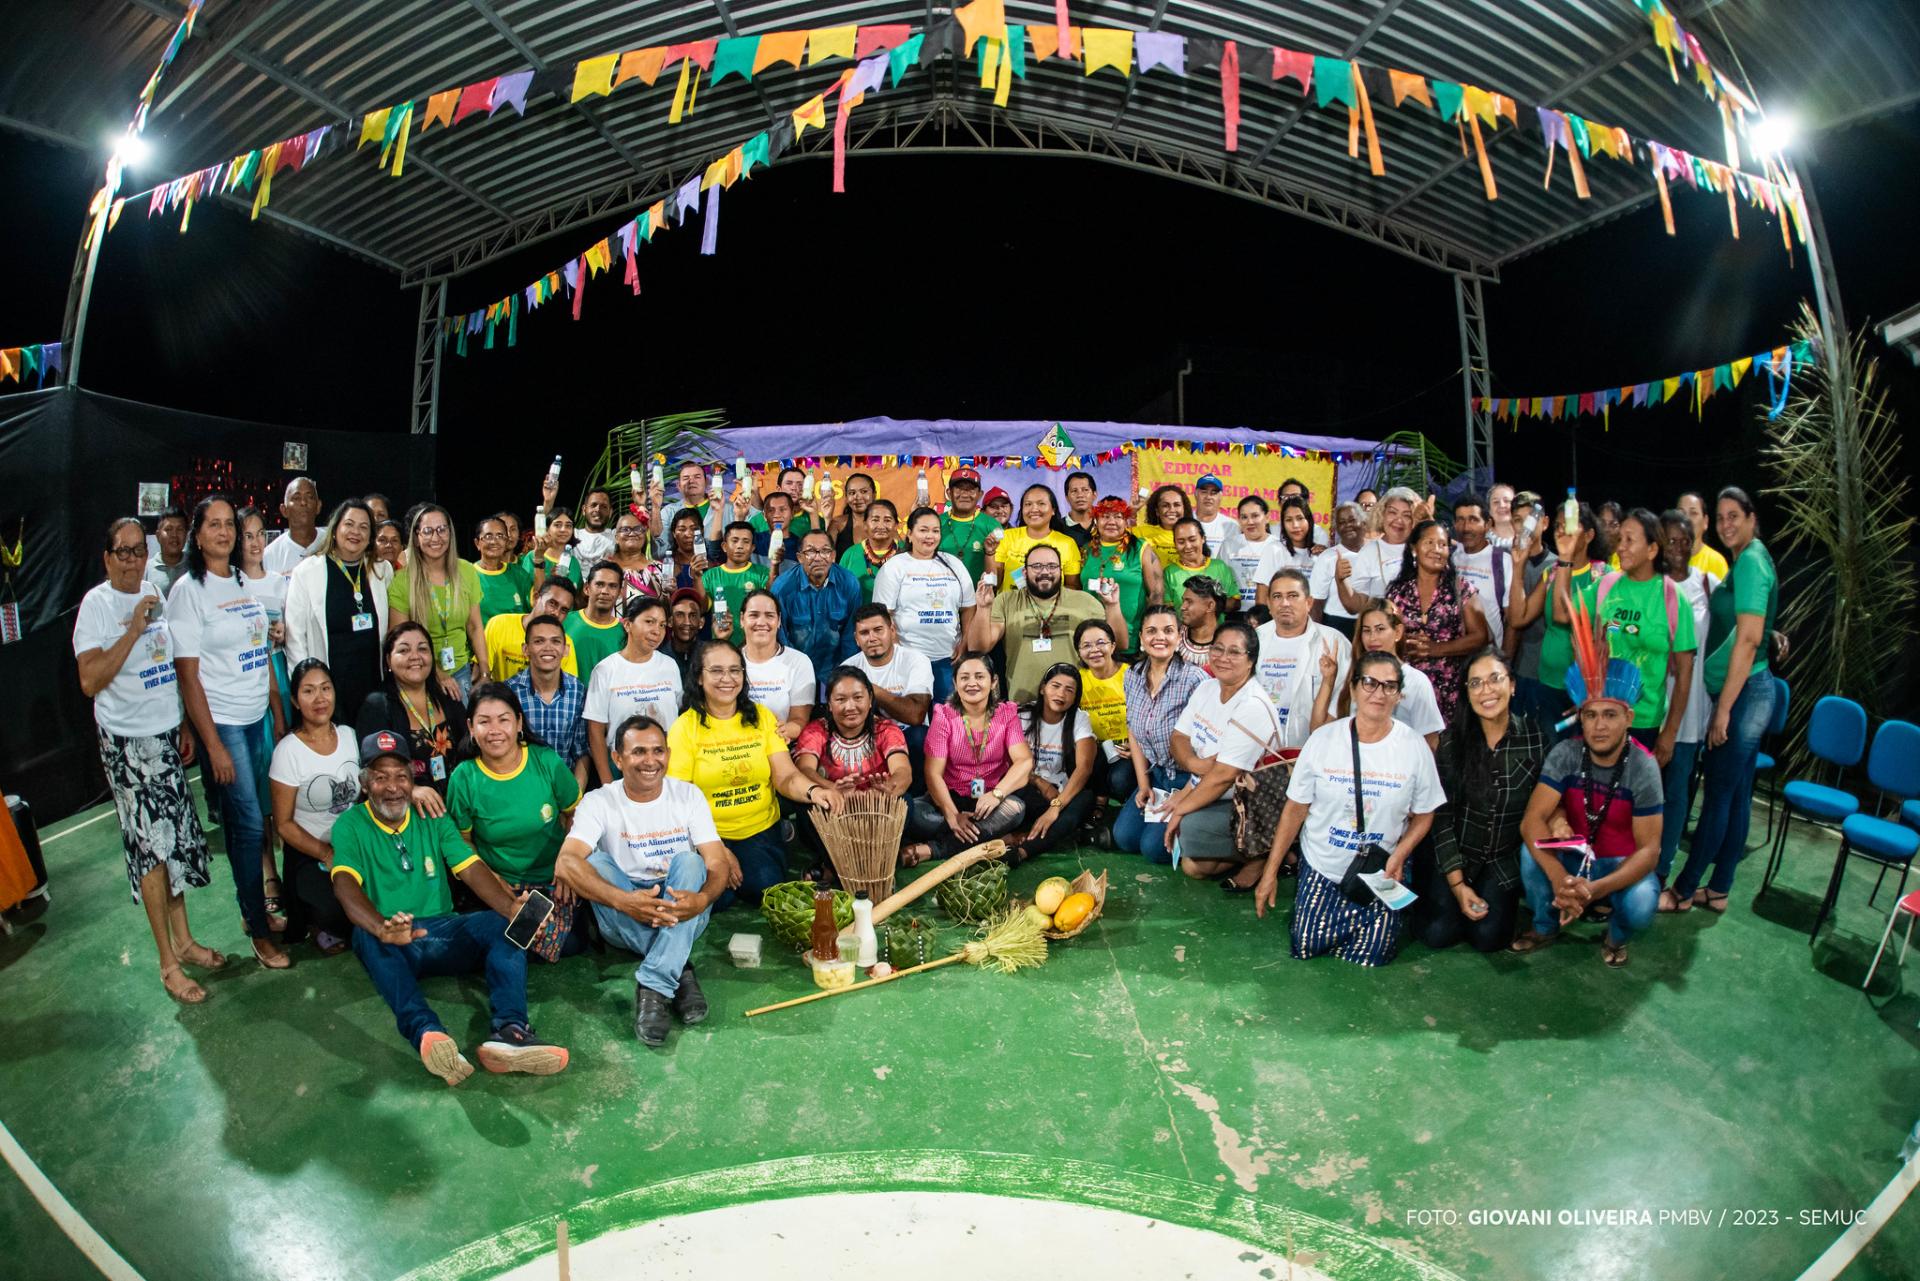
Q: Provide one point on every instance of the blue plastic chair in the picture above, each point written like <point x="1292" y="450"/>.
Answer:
<point x="1837" y="734"/>
<point x="1764" y="763"/>
<point x="1893" y="767"/>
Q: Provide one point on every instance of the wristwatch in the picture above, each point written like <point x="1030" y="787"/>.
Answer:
<point x="1054" y="804"/>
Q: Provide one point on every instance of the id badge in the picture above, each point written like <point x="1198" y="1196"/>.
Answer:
<point x="1043" y="644"/>
<point x="447" y="660"/>
<point x="438" y="768"/>
<point x="977" y="788"/>
<point x="363" y="622"/>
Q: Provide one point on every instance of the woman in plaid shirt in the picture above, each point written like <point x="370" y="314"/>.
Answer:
<point x="1157" y="686"/>
<point x="1467" y="872"/>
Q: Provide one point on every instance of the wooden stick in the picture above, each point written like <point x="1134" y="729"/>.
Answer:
<point x="560" y="1249"/>
<point x="952" y="867"/>
<point x="856" y="987"/>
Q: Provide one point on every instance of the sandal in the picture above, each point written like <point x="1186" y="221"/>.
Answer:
<point x="1230" y="882"/>
<point x="1715" y="903"/>
<point x="201" y="955"/>
<point x="1613" y="954"/>
<point x="191" y="994"/>
<point x="1530" y="941"/>
<point x="1671" y="902"/>
<point x="916" y="854"/>
<point x="276" y="914"/>
<point x="280" y="962"/>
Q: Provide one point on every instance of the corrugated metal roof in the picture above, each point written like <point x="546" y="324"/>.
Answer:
<point x="257" y="71"/>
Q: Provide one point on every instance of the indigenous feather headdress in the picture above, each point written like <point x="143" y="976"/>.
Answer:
<point x="1594" y="677"/>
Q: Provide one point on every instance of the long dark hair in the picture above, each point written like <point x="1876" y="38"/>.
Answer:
<point x="1467" y="752"/>
<point x="197" y="559"/>
<point x="1286" y="504"/>
<point x="1033" y="712"/>
<point x="1054" y="522"/>
<point x="846" y="673"/>
<point x="694" y="695"/>
<point x="1410" y="562"/>
<point x="442" y="701"/>
<point x="993" y="682"/>
<point x="497" y="692"/>
<point x="296" y="719"/>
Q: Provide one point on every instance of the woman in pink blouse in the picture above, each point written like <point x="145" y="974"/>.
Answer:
<point x="976" y="759"/>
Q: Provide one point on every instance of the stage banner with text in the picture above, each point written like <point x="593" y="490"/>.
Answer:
<point x="1240" y="474"/>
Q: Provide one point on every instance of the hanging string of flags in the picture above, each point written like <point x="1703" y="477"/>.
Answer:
<point x="39" y="360"/>
<point x="1003" y="51"/>
<point x="1699" y="385"/>
<point x="1016" y="462"/>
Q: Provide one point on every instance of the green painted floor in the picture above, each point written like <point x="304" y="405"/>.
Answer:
<point x="1172" y="1057"/>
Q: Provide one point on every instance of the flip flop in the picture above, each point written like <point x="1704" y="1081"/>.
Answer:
<point x="1529" y="941"/>
<point x="194" y="993"/>
<point x="1613" y="954"/>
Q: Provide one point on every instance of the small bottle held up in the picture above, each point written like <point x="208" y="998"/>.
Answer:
<point x="553" y="472"/>
<point x="806" y="488"/>
<point x="634" y="484"/>
<point x="660" y="475"/>
<point x="1570" y="515"/>
<point x="920" y="488"/>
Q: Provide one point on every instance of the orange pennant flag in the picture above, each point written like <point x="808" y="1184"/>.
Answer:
<point x="777" y="47"/>
<point x="440" y="107"/>
<point x="640" y="64"/>
<point x="1046" y="42"/>
<point x="981" y="18"/>
<point x="1407" y="85"/>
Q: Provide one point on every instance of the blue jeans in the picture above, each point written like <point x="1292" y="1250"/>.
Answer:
<point x="1676" y="784"/>
<point x="243" y="816"/>
<point x="942" y="680"/>
<point x="763" y="865"/>
<point x="665" y="951"/>
<point x="458" y="944"/>
<point x="1633" y="907"/>
<point x="1726" y="798"/>
<point x="1131" y="831"/>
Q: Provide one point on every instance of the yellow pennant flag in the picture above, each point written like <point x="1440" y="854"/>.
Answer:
<point x="1740" y="368"/>
<point x="593" y="77"/>
<point x="1107" y="47"/>
<point x="1668" y="388"/>
<point x="830" y="42"/>
<point x="373" y="127"/>
<point x="811" y="114"/>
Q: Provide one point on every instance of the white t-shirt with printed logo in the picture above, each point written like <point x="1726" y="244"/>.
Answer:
<point x="1288" y="668"/>
<point x="1398" y="780"/>
<point x="1050" y="760"/>
<point x="1321" y="586"/>
<point x="219" y="622"/>
<point x="1477" y="568"/>
<point x="926" y="597"/>
<point x="781" y="682"/>
<point x="1418" y="709"/>
<point x="905" y="674"/>
<point x="1239" y="731"/>
<point x="1253" y="564"/>
<point x="1223" y="526"/>
<point x="1375" y="566"/>
<point x="142" y="700"/>
<point x="324" y="787"/>
<point x="620" y="687"/>
<point x="643" y="837"/>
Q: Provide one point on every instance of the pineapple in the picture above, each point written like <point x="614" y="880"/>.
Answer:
<point x="975" y="895"/>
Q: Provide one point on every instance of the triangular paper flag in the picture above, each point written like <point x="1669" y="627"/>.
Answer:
<point x="1447" y="97"/>
<point x="903" y="57"/>
<point x="1740" y="368"/>
<point x="1159" y="49"/>
<point x="440" y="107"/>
<point x="780" y="46"/>
<point x="1332" y="82"/>
<point x="593" y="77"/>
<point x="512" y="91"/>
<point x="980" y="19"/>
<point x="754" y="152"/>
<point x="885" y="36"/>
<point x="640" y="64"/>
<point x="1290" y="64"/>
<point x="1108" y="47"/>
<point x="373" y="127"/>
<point x="734" y="56"/>
<point x="811" y="114"/>
<point x="475" y="97"/>
<point x="830" y="42"/>
<point x="1407" y="85"/>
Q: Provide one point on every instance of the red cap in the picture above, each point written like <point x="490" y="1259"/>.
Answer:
<point x="964" y="474"/>
<point x="995" y="495"/>
<point x="685" y="593"/>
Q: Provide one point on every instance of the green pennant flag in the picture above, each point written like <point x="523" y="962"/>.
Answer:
<point x="1332" y="81"/>
<point x="1017" y="49"/>
<point x="1447" y="97"/>
<point x="1580" y="135"/>
<point x="753" y="152"/>
<point x="734" y="56"/>
<point x="905" y="56"/>
<point x="1723" y="377"/>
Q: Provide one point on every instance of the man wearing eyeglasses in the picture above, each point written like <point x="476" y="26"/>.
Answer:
<point x="390" y="871"/>
<point x="1037" y="620"/>
<point x="817" y="604"/>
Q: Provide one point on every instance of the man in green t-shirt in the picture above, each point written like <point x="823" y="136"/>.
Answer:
<point x="390" y="869"/>
<point x="732" y="581"/>
<point x="594" y="629"/>
<point x="1037" y="621"/>
<point x="793" y="483"/>
<point x="965" y="529"/>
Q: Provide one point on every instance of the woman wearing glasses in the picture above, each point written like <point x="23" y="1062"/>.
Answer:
<point x="443" y="592"/>
<point x="505" y="588"/>
<point x="1468" y="875"/>
<point x="640" y="573"/>
<point x="126" y="667"/>
<point x="1343" y="821"/>
<point x="1228" y="725"/>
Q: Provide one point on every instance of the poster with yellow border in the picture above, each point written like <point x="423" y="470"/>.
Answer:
<point x="1240" y="474"/>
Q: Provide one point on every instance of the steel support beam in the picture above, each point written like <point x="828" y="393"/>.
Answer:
<point x="428" y="344"/>
<point x="1476" y="382"/>
<point x="953" y="127"/>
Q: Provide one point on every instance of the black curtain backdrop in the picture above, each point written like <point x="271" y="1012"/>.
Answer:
<point x="72" y="460"/>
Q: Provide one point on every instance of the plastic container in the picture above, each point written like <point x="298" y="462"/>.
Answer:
<point x="832" y="974"/>
<point x="745" y="951"/>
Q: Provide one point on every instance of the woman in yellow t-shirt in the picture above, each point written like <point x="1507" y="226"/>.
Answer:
<point x="733" y="752"/>
<point x="1038" y="514"/>
<point x="1166" y="507"/>
<point x="1103" y="697"/>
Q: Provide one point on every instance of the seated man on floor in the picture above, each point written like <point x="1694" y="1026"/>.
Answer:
<point x="1602" y="789"/>
<point x="645" y="853"/>
<point x="391" y="866"/>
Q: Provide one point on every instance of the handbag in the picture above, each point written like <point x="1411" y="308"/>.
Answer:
<point x="1372" y="858"/>
<point x="1259" y="798"/>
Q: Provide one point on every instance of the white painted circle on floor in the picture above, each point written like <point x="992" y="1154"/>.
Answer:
<point x="929" y="1236"/>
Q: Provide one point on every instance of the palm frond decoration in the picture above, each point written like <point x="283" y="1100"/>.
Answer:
<point x="1847" y="604"/>
<point x="695" y="433"/>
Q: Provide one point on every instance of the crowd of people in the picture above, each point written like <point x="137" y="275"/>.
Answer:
<point x="1505" y="704"/>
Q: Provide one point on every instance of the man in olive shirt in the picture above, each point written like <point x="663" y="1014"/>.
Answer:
<point x="1037" y="621"/>
<point x="390" y="870"/>
<point x="965" y="530"/>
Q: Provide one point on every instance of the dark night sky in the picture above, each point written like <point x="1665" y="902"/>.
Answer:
<point x="977" y="288"/>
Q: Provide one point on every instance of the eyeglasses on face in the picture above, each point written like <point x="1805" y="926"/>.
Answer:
<point x="490" y="535"/>
<point x="136" y="552"/>
<point x="816" y="551"/>
<point x="1221" y="651"/>
<point x="1492" y="680"/>
<point x="1374" y="685"/>
<point x="433" y="531"/>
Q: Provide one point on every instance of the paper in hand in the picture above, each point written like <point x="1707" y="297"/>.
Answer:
<point x="1388" y="891"/>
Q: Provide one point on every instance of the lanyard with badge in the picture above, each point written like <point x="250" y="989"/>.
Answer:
<point x="400" y="850"/>
<point x="442" y="618"/>
<point x="362" y="616"/>
<point x="437" y="766"/>
<point x="1043" y="643"/>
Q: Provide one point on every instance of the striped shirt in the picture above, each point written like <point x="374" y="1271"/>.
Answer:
<point x="1151" y="717"/>
<point x="558" y="723"/>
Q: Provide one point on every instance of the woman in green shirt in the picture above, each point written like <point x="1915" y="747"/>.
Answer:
<point x="864" y="559"/>
<point x="1740" y="619"/>
<point x="442" y="593"/>
<point x="1192" y="560"/>
<point x="1120" y="555"/>
<point x="552" y="555"/>
<point x="514" y="802"/>
<point x="505" y="588"/>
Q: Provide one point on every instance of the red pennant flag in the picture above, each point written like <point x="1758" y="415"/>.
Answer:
<point x="1230" y="93"/>
<point x="475" y="97"/>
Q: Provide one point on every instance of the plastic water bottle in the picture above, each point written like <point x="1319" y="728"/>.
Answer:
<point x="826" y="487"/>
<point x="740" y="468"/>
<point x="806" y="488"/>
<point x="867" y="952"/>
<point x="1570" y="514"/>
<point x="775" y="537"/>
<point x="553" y="472"/>
<point x="633" y="483"/>
<point x="920" y="488"/>
<point x="660" y="475"/>
<point x="720" y="609"/>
